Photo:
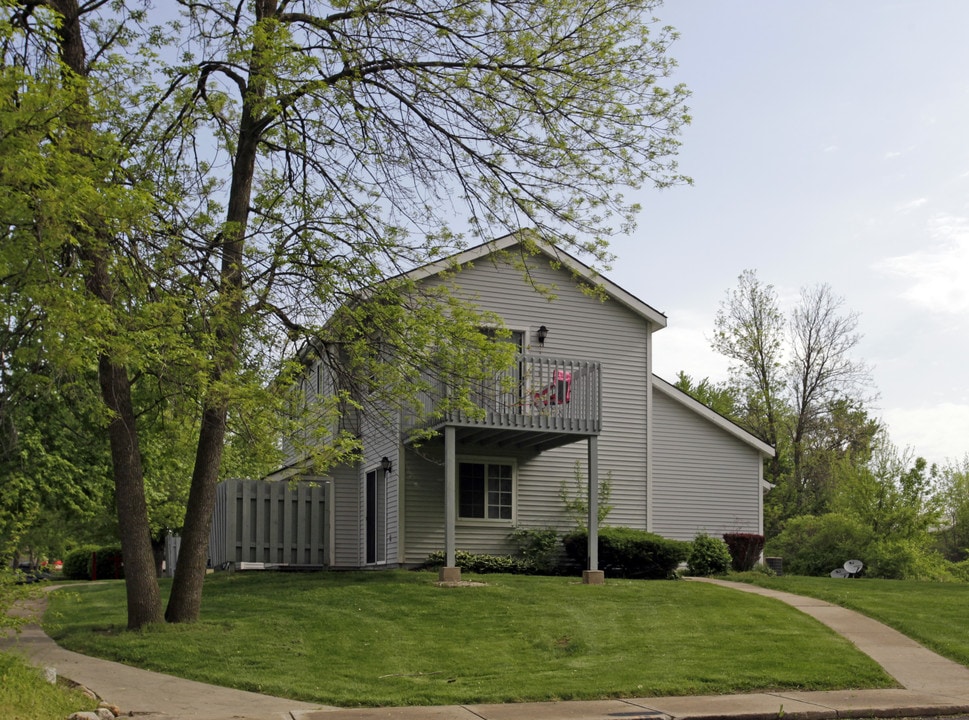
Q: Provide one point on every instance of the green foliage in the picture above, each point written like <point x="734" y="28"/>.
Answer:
<point x="816" y="545"/>
<point x="763" y="569"/>
<point x="952" y="535"/>
<point x="749" y="331"/>
<point x="539" y="549"/>
<point x="77" y="563"/>
<point x="105" y="562"/>
<point x="813" y="545"/>
<point x="960" y="570"/>
<point x="708" y="556"/>
<point x="480" y="563"/>
<point x="722" y="398"/>
<point x="744" y="549"/>
<point x="576" y="498"/>
<point x="892" y="495"/>
<point x="905" y="559"/>
<point x="628" y="553"/>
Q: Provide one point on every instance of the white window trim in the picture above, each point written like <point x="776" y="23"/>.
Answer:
<point x="487" y="522"/>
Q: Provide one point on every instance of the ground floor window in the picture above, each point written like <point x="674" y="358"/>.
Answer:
<point x="485" y="490"/>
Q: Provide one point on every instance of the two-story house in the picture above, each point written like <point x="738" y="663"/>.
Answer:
<point x="582" y="398"/>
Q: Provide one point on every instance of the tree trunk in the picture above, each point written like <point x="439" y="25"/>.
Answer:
<point x="185" y="602"/>
<point x="141" y="583"/>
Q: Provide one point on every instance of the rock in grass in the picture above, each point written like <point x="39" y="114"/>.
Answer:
<point x="113" y="709"/>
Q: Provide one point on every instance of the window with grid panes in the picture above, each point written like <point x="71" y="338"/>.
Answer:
<point x="485" y="490"/>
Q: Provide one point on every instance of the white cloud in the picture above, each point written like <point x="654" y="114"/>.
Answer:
<point x="937" y="276"/>
<point x="913" y="205"/>
<point x="892" y="154"/>
<point x="937" y="433"/>
<point x="684" y="345"/>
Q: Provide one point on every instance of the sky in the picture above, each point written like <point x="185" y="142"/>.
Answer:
<point x="829" y="144"/>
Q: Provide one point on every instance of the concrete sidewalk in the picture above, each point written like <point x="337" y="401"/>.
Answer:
<point x="148" y="695"/>
<point x="931" y="685"/>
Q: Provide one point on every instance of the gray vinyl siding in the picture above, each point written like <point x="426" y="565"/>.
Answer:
<point x="315" y="387"/>
<point x="537" y="502"/>
<point x="704" y="479"/>
<point x="347" y="501"/>
<point x="380" y="434"/>
<point x="580" y="327"/>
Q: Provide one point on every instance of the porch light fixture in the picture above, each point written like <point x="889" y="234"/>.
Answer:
<point x="385" y="464"/>
<point x="542" y="334"/>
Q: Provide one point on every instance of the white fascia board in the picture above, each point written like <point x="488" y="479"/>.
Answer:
<point x="716" y="418"/>
<point x="465" y="256"/>
<point x="654" y="316"/>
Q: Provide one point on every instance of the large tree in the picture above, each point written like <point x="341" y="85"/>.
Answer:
<point x="800" y="387"/>
<point x="296" y="153"/>
<point x="749" y="329"/>
<point x="72" y="213"/>
<point x="823" y="375"/>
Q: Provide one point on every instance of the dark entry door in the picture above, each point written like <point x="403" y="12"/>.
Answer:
<point x="376" y="517"/>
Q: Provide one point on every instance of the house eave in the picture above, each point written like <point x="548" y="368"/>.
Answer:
<point x="655" y="317"/>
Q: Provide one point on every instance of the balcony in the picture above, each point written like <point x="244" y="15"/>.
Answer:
<point x="539" y="403"/>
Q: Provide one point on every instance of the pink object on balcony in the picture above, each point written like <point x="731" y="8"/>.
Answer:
<point x="559" y="391"/>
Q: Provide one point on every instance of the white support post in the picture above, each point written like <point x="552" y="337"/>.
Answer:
<point x="593" y="575"/>
<point x="450" y="572"/>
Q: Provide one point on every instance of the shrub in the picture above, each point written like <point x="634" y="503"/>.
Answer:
<point x="960" y="570"/>
<point x="77" y="563"/>
<point x="901" y="559"/>
<point x="629" y="553"/>
<point x="708" y="556"/>
<point x="538" y="550"/>
<point x="816" y="545"/>
<point x="478" y="563"/>
<point x="745" y="549"/>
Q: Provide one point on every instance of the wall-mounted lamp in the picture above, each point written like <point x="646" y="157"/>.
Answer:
<point x="542" y="334"/>
<point x="385" y="464"/>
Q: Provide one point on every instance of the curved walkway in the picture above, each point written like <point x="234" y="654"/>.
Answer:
<point x="931" y="685"/>
<point x="145" y="694"/>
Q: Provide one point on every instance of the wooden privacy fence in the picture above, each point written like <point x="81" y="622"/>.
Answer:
<point x="275" y="523"/>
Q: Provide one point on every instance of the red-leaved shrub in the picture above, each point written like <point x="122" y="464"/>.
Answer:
<point x="745" y="549"/>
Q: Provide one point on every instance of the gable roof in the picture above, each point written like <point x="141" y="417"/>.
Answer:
<point x="716" y="418"/>
<point x="554" y="253"/>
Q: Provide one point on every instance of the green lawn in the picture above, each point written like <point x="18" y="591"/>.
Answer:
<point x="934" y="614"/>
<point x="396" y="638"/>
<point x="26" y="695"/>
